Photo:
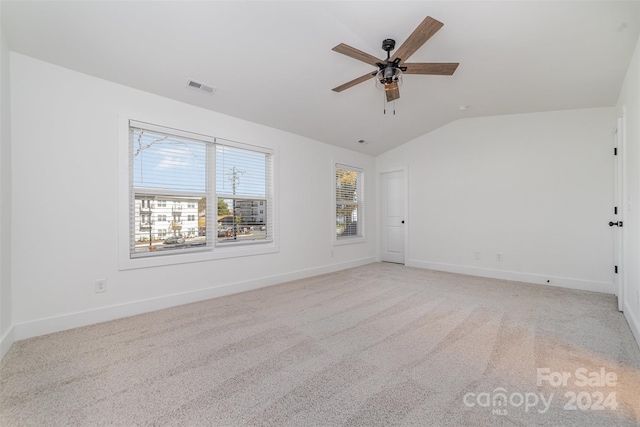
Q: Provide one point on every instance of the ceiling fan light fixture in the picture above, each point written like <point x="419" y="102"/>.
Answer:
<point x="386" y="77"/>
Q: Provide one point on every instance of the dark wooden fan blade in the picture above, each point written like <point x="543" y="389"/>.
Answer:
<point x="420" y="35"/>
<point x="392" y="91"/>
<point x="353" y="82"/>
<point x="356" y="54"/>
<point x="437" y="68"/>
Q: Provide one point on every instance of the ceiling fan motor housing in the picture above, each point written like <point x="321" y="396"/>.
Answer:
<point x="390" y="71"/>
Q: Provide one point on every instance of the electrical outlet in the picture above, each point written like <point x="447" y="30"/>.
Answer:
<point x="498" y="257"/>
<point x="478" y="255"/>
<point x="100" y="285"/>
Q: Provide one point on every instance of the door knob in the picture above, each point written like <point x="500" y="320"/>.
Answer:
<point x="617" y="223"/>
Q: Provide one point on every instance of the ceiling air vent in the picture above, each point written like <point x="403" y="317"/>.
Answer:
<point x="200" y="87"/>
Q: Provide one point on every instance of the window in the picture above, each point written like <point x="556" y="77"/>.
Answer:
<point x="243" y="183"/>
<point x="349" y="202"/>
<point x="212" y="183"/>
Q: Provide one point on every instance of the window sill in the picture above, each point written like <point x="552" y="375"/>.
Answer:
<point x="349" y="241"/>
<point x="210" y="254"/>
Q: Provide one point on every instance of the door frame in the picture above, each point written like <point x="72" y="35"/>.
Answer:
<point x="405" y="230"/>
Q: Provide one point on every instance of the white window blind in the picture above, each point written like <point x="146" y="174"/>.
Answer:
<point x="244" y="194"/>
<point x="349" y="202"/>
<point x="190" y="192"/>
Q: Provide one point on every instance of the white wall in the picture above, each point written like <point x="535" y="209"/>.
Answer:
<point x="6" y="329"/>
<point x="629" y="100"/>
<point x="64" y="129"/>
<point x="536" y="188"/>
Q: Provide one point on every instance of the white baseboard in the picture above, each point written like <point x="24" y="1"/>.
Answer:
<point x="6" y="341"/>
<point x="563" y="282"/>
<point x="633" y="321"/>
<point x="83" y="318"/>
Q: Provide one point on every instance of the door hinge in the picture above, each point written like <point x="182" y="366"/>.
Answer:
<point x="616" y="269"/>
<point x="615" y="151"/>
<point x="615" y="210"/>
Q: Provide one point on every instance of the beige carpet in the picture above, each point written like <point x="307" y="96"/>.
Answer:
<point x="380" y="344"/>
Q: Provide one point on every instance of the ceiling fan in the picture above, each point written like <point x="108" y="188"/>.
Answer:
<point x="389" y="73"/>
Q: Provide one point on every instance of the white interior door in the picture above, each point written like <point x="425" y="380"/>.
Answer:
<point x="618" y="221"/>
<point x="393" y="216"/>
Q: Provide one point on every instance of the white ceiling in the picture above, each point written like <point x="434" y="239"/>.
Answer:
<point x="272" y="63"/>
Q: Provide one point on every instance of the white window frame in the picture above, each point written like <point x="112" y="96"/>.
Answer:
<point x="337" y="241"/>
<point x="188" y="255"/>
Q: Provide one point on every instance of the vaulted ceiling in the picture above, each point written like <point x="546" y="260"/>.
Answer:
<point x="272" y="63"/>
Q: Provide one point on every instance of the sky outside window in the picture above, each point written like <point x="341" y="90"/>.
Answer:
<point x="168" y="162"/>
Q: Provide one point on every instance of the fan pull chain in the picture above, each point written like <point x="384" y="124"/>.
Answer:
<point x="384" y="104"/>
